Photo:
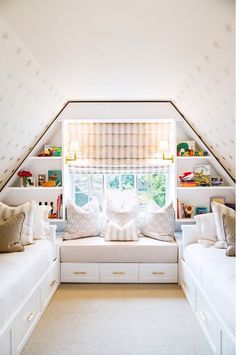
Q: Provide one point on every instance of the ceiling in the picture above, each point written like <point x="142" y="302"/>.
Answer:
<point x="179" y="50"/>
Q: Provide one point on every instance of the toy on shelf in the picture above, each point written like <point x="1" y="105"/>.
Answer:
<point x="184" y="210"/>
<point x="51" y="151"/>
<point x="187" y="179"/>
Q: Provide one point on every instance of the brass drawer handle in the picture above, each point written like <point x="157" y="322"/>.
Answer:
<point x="80" y="273"/>
<point x="31" y="316"/>
<point x="118" y="273"/>
<point x="52" y="283"/>
<point x="158" y="273"/>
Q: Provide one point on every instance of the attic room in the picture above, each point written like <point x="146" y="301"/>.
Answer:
<point x="117" y="177"/>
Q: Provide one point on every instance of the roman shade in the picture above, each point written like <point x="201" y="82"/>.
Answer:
<point x="120" y="146"/>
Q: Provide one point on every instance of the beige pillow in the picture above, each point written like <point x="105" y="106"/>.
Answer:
<point x="28" y="208"/>
<point x="10" y="233"/>
<point x="218" y="210"/>
<point x="229" y="230"/>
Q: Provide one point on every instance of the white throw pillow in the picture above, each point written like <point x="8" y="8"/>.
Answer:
<point x="159" y="223"/>
<point x="28" y="208"/>
<point x="206" y="229"/>
<point x="41" y="225"/>
<point x="125" y="233"/>
<point x="219" y="210"/>
<point x="121" y="208"/>
<point x="82" y="222"/>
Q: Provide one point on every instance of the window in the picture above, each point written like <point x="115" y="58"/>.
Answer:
<point x="148" y="186"/>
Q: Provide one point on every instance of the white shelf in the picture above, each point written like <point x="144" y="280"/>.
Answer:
<point x="33" y="188"/>
<point x="194" y="157"/>
<point x="45" y="158"/>
<point x="185" y="220"/>
<point x="56" y="220"/>
<point x="206" y="188"/>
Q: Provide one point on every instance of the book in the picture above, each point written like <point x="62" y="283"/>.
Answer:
<point x="55" y="175"/>
<point x="202" y="175"/>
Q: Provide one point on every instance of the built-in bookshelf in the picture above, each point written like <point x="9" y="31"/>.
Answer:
<point x="199" y="197"/>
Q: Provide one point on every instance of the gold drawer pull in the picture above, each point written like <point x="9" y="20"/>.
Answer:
<point x="52" y="283"/>
<point x="158" y="273"/>
<point x="118" y="273"/>
<point x="31" y="316"/>
<point x="80" y="273"/>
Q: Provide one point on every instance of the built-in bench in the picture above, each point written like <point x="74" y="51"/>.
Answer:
<point x="96" y="260"/>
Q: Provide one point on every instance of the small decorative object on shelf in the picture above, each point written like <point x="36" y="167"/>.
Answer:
<point x="201" y="210"/>
<point x="26" y="178"/>
<point x="202" y="175"/>
<point x="217" y="181"/>
<point x="41" y="179"/>
<point x="184" y="210"/>
<point x="48" y="184"/>
<point x="50" y="151"/>
<point x="187" y="179"/>
<point x="186" y="148"/>
<point x="55" y="176"/>
<point x="188" y="210"/>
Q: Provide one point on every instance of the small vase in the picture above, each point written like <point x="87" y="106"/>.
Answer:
<point x="24" y="181"/>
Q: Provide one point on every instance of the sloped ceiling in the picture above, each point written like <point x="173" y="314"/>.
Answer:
<point x="179" y="50"/>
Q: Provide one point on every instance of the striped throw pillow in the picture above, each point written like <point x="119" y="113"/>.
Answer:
<point x="126" y="232"/>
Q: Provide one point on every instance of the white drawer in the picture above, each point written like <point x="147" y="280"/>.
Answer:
<point x="5" y="343"/>
<point x="50" y="284"/>
<point x="158" y="273"/>
<point x="25" y="321"/>
<point x="188" y="285"/>
<point x="208" y="322"/>
<point x="79" y="272"/>
<point x="119" y="272"/>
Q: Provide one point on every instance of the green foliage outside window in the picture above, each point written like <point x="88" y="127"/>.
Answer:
<point x="148" y="186"/>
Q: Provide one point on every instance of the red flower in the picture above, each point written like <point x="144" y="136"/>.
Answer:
<point x="24" y="173"/>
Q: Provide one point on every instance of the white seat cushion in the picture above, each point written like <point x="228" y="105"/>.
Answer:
<point x="216" y="274"/>
<point x="19" y="273"/>
<point x="97" y="250"/>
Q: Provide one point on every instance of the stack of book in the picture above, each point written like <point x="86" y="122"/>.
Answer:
<point x="187" y="179"/>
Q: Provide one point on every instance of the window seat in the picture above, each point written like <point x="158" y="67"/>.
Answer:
<point x="96" y="260"/>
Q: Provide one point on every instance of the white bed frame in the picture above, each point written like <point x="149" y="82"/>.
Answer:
<point x="19" y="327"/>
<point x="219" y="337"/>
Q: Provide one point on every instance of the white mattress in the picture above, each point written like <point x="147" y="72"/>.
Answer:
<point x="216" y="273"/>
<point x="97" y="250"/>
<point x="19" y="273"/>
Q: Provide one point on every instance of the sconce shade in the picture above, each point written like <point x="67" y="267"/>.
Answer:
<point x="164" y="146"/>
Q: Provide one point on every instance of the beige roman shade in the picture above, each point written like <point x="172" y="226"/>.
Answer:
<point x="119" y="146"/>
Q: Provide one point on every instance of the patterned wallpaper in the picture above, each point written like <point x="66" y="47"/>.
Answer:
<point x="28" y="101"/>
<point x="206" y="96"/>
<point x="183" y="53"/>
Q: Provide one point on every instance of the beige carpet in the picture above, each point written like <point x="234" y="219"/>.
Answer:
<point x="117" y="320"/>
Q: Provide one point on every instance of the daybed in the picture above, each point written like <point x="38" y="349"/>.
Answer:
<point x="96" y="260"/>
<point x="27" y="282"/>
<point x="208" y="280"/>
